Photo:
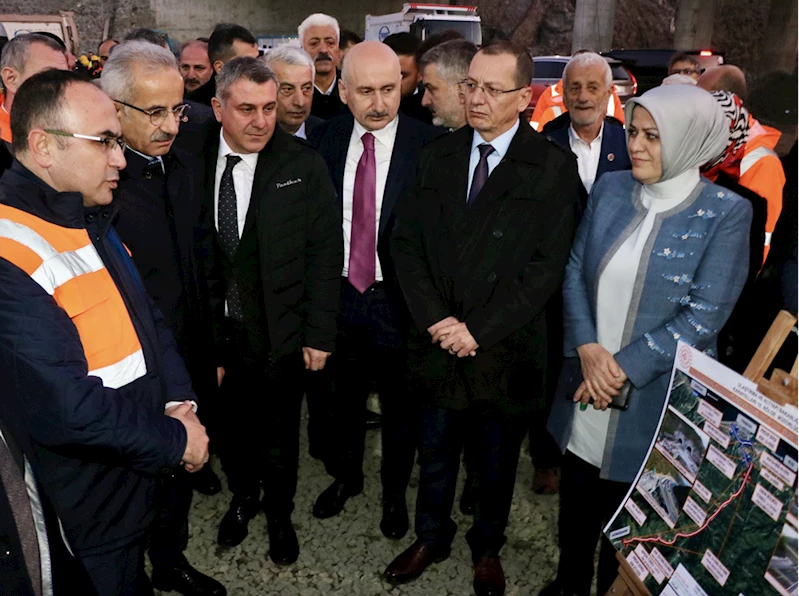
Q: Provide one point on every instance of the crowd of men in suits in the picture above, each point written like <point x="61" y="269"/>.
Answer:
<point x="258" y="229"/>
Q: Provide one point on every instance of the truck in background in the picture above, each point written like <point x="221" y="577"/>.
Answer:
<point x="423" y="20"/>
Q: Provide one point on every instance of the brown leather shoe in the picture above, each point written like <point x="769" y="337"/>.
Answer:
<point x="412" y="563"/>
<point x="489" y="578"/>
<point x="545" y="481"/>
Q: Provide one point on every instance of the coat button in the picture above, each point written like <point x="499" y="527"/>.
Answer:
<point x="492" y="277"/>
<point x="498" y="233"/>
<point x="148" y="175"/>
<point x="5" y="547"/>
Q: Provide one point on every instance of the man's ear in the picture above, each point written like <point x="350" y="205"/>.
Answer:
<point x="217" y="107"/>
<point x="342" y="91"/>
<point x="40" y="148"/>
<point x="10" y="78"/>
<point x="218" y="64"/>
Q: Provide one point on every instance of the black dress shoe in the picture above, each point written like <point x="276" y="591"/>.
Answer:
<point x="394" y="524"/>
<point x="283" y="546"/>
<point x="187" y="580"/>
<point x="468" y="497"/>
<point x="489" y="578"/>
<point x="371" y="420"/>
<point x="331" y="501"/>
<point x="233" y="528"/>
<point x="206" y="481"/>
<point x="411" y="563"/>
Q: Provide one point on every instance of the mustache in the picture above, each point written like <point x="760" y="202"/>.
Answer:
<point x="161" y="136"/>
<point x="376" y="115"/>
<point x="324" y="56"/>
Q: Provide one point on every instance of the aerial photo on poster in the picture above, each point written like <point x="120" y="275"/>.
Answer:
<point x="713" y="510"/>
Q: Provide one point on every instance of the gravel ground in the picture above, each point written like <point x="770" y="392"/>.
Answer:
<point x="347" y="554"/>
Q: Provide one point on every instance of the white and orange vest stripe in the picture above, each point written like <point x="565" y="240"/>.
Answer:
<point x="65" y="263"/>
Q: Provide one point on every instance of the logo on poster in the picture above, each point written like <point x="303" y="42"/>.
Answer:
<point x="685" y="357"/>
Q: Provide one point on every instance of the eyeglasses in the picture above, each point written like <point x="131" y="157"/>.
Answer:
<point x="109" y="143"/>
<point x="470" y="87"/>
<point x="687" y="71"/>
<point x="159" y="115"/>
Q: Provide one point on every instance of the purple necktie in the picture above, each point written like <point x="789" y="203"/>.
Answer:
<point x="363" y="237"/>
<point x="480" y="172"/>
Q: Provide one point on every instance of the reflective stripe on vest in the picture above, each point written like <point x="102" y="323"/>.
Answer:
<point x="66" y="265"/>
<point x="753" y="157"/>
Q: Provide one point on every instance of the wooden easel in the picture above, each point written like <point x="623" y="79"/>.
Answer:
<point x="782" y="388"/>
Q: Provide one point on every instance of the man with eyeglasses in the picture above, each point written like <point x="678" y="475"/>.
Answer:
<point x="95" y="394"/>
<point x="160" y="220"/>
<point x="479" y="249"/>
<point x="372" y="155"/>
<point x="685" y="64"/>
<point x="295" y="71"/>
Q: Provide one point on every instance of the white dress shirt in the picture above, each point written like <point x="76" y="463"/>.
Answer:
<point x="384" y="147"/>
<point x="588" y="155"/>
<point x="301" y="132"/>
<point x="500" y="145"/>
<point x="329" y="89"/>
<point x="243" y="175"/>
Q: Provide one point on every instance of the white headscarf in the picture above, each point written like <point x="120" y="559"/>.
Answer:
<point x="691" y="125"/>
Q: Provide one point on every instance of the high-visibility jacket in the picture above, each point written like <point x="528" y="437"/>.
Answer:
<point x="65" y="263"/>
<point x="5" y="121"/>
<point x="761" y="172"/>
<point x="550" y="105"/>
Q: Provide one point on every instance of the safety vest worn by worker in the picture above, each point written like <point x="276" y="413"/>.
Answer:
<point x="5" y="121"/>
<point x="550" y="105"/>
<point x="761" y="172"/>
<point x="65" y="263"/>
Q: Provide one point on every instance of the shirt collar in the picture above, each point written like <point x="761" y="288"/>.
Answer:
<point x="500" y="144"/>
<point x="301" y="132"/>
<point x="150" y="159"/>
<point x="329" y="89"/>
<point x="385" y="135"/>
<point x="574" y="137"/>
<point x="249" y="159"/>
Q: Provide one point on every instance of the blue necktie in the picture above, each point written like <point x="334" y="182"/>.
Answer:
<point x="480" y="172"/>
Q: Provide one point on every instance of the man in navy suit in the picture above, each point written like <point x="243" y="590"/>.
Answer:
<point x="599" y="143"/>
<point x="372" y="155"/>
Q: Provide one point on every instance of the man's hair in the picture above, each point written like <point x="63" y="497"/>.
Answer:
<point x="291" y="55"/>
<point x="55" y="38"/>
<point x="220" y="44"/>
<point x="680" y="57"/>
<point x="15" y="52"/>
<point x="318" y="19"/>
<point x="148" y="35"/>
<point x="589" y="59"/>
<point x="348" y="37"/>
<point x="118" y="80"/>
<point x="40" y="103"/>
<point x="734" y="82"/>
<point x="435" y="40"/>
<point x="106" y="41"/>
<point x="194" y="42"/>
<point x="524" y="64"/>
<point x="403" y="43"/>
<point x="242" y="68"/>
<point x="451" y="59"/>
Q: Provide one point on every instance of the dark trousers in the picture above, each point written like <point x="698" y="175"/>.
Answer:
<point x="169" y="534"/>
<point x="370" y="349"/>
<point x="119" y="572"/>
<point x="495" y="447"/>
<point x="586" y="503"/>
<point x="544" y="451"/>
<point x="260" y="423"/>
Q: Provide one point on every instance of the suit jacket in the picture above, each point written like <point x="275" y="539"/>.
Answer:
<point x="412" y="106"/>
<point x="613" y="153"/>
<point x="311" y="124"/>
<point x="289" y="258"/>
<point x="162" y="221"/>
<point x="493" y="265"/>
<point x="328" y="106"/>
<point x="333" y="140"/>
<point x="192" y="133"/>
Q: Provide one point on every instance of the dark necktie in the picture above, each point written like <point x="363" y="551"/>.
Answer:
<point x="480" y="172"/>
<point x="228" y="228"/>
<point x="361" y="270"/>
<point x="17" y="494"/>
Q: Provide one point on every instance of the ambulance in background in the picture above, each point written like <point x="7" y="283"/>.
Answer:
<point x="423" y="20"/>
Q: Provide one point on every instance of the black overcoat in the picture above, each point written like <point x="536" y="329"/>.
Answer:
<point x="493" y="265"/>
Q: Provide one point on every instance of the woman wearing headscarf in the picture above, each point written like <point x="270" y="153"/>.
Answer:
<point x="660" y="255"/>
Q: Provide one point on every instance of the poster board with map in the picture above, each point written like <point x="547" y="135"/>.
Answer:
<point x="713" y="510"/>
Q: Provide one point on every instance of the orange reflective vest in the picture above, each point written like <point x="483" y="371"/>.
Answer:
<point x="65" y="263"/>
<point x="550" y="105"/>
<point x="5" y="121"/>
<point x="761" y="172"/>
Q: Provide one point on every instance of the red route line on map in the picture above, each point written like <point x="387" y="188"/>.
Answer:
<point x="704" y="526"/>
